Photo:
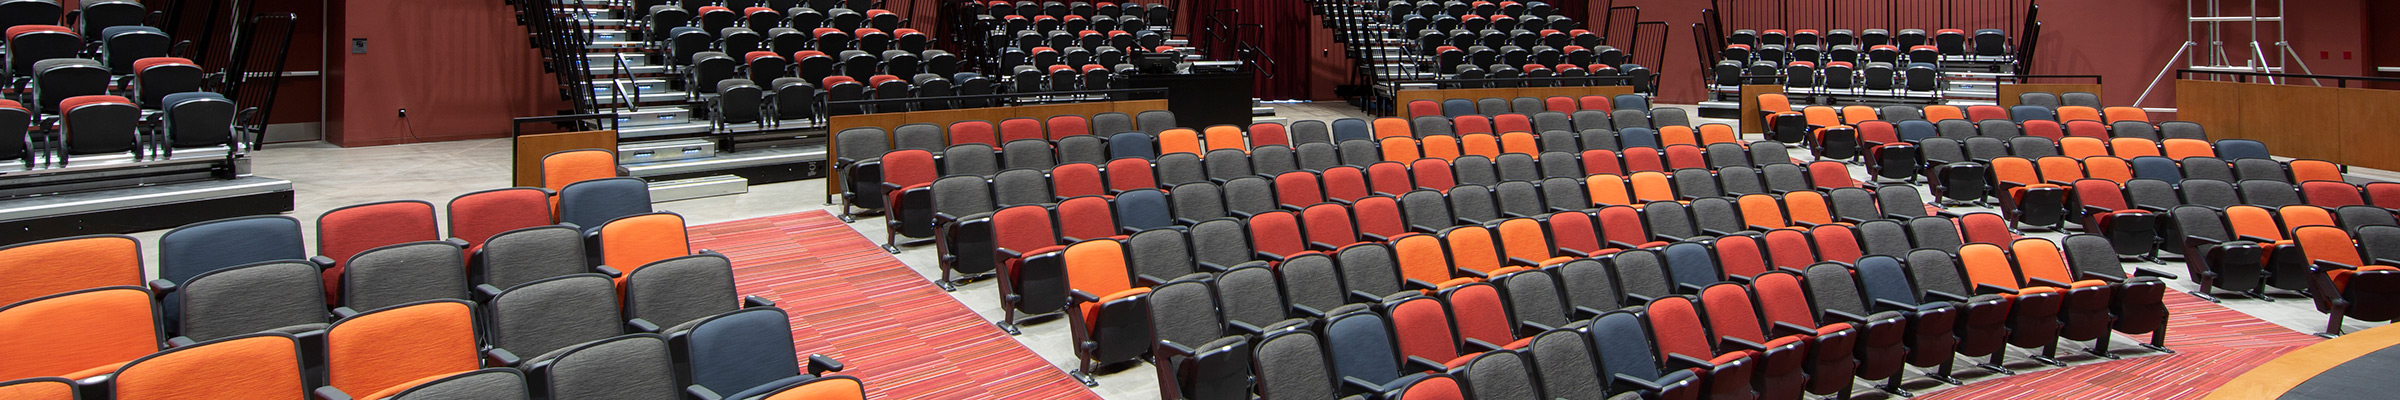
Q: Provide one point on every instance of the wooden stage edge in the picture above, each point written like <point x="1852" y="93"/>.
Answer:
<point x="2272" y="379"/>
<point x="943" y="118"/>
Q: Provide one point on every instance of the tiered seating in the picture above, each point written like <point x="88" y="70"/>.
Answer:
<point x="1872" y="62"/>
<point x="97" y="91"/>
<point x="1376" y="302"/>
<point x="1522" y="42"/>
<point x="239" y="291"/>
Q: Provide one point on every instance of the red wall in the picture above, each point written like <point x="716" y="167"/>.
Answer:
<point x="462" y="68"/>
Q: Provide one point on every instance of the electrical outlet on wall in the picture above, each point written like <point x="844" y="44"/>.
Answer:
<point x="403" y="113"/>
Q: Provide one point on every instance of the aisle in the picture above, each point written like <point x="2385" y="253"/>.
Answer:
<point x="851" y="300"/>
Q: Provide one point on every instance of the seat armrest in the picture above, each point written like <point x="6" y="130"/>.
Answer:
<point x="1353" y="387"/>
<point x="1372" y="237"/>
<point x="1739" y="343"/>
<point x="612" y="272"/>
<point x="2048" y="282"/>
<point x="160" y="287"/>
<point x="1530" y="328"/>
<point x="1646" y="386"/>
<point x="1681" y="361"/>
<point x="819" y="364"/>
<point x="1889" y="305"/>
<point x="501" y="357"/>
<point x="1415" y="364"/>
<point x="1210" y="267"/>
<point x="1640" y="298"/>
<point x="1478" y="345"/>
<point x="1986" y="288"/>
<point x="1946" y="296"/>
<point x="2261" y="241"/>
<point x="1471" y="273"/>
<point x="485" y="291"/>
<point x="1167" y="350"/>
<point x="344" y="312"/>
<point x="1519" y="261"/>
<point x="1788" y="329"/>
<point x="1322" y="246"/>
<point x="2154" y="273"/>
<point x="2323" y="266"/>
<point x="641" y="325"/>
<point x="755" y="301"/>
<point x="328" y="393"/>
<point x="1357" y="296"/>
<point x="1418" y="285"/>
<point x="1584" y="313"/>
<point x="1306" y="311"/>
<point x="701" y="393"/>
<point x="1574" y="252"/>
<point x="1075" y="296"/>
<point x="1690" y="288"/>
<point x="1145" y="280"/>
<point x="1845" y="316"/>
<point x="1246" y="328"/>
<point x="180" y="341"/>
<point x="322" y="262"/>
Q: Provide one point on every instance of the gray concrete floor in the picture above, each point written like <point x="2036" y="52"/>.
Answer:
<point x="328" y="177"/>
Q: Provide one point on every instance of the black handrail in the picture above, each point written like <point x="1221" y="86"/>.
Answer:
<point x="2341" y="81"/>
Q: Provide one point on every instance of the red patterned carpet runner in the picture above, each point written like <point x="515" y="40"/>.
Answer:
<point x="2213" y="344"/>
<point x="892" y="327"/>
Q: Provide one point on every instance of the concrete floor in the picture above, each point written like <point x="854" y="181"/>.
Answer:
<point x="328" y="177"/>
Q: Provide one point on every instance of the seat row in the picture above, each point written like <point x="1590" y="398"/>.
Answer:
<point x="1465" y="316"/>
<point x="2000" y="177"/>
<point x="2344" y="270"/>
<point x="1776" y="107"/>
<point x="1494" y="106"/>
<point x="708" y="65"/>
<point x="1538" y="75"/>
<point x="1467" y="36"/>
<point x="1949" y="42"/>
<point x="909" y="178"/>
<point x="1025" y="47"/>
<point x="1279" y="220"/>
<point x="1463" y="47"/>
<point x="101" y="343"/>
<point x="1056" y="9"/>
<point x="1071" y="23"/>
<point x="1462" y="9"/>
<point x="718" y="28"/>
<point x="2182" y="159"/>
<point x="1836" y="78"/>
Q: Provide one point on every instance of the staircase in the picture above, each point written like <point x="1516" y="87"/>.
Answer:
<point x="596" y="50"/>
<point x="1376" y="49"/>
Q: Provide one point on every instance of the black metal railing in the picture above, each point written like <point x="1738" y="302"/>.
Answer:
<point x="255" y="70"/>
<point x="2022" y="78"/>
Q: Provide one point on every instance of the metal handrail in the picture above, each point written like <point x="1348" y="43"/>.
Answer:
<point x="1161" y="92"/>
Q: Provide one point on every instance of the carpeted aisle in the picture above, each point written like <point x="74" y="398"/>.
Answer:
<point x="891" y="326"/>
<point x="2213" y="344"/>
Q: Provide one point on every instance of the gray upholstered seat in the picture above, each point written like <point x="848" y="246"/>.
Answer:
<point x="404" y="273"/>
<point x="273" y="296"/>
<point x="538" y="319"/>
<point x="629" y="367"/>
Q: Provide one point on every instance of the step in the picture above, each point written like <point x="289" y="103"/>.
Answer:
<point x="675" y="96"/>
<point x="650" y="131"/>
<point x="707" y="186"/>
<point x="608" y="35"/>
<point x="665" y="150"/>
<point x="635" y="86"/>
<point x="1262" y="112"/>
<point x="617" y="45"/>
<point x="728" y="161"/>
<point x="1271" y="119"/>
<point x="655" y="115"/>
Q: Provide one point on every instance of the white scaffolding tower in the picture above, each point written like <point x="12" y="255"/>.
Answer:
<point x="2211" y="56"/>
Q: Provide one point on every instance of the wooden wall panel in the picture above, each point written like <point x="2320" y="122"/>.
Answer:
<point x="2214" y="105"/>
<point x="2367" y="139"/>
<point x="2009" y="91"/>
<point x="2294" y="121"/>
<point x="1437" y="95"/>
<point x="2346" y="126"/>
<point x="890" y="121"/>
